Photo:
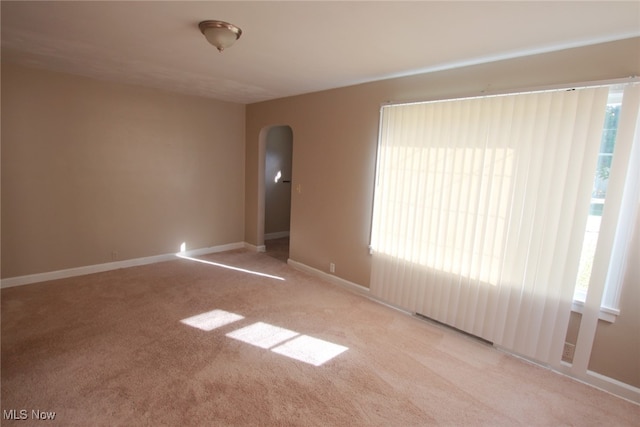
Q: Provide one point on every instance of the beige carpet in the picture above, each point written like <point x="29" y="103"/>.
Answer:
<point x="110" y="349"/>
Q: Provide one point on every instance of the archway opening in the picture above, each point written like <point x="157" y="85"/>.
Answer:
<point x="274" y="190"/>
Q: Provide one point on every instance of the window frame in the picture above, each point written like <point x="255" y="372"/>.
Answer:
<point x="617" y="258"/>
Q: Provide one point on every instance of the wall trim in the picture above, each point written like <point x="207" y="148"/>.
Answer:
<point x="329" y="277"/>
<point x="99" y="268"/>
<point x="601" y="382"/>
<point x="593" y="379"/>
<point x="350" y="286"/>
<point x="254" y="248"/>
<point x="613" y="386"/>
<point x="276" y="235"/>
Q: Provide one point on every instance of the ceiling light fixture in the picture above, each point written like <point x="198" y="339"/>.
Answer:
<point x="220" y="34"/>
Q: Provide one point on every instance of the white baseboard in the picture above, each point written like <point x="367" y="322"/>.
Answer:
<point x="329" y="277"/>
<point x="276" y="235"/>
<point x="614" y="386"/>
<point x="213" y="249"/>
<point x="98" y="268"/>
<point x="601" y="382"/>
<point x="254" y="248"/>
<point x="354" y="287"/>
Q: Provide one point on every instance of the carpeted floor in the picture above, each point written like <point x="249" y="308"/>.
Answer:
<point x="133" y="347"/>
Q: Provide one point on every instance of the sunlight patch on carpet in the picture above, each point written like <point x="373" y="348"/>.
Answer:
<point x="288" y="343"/>
<point x="230" y="267"/>
<point x="262" y="335"/>
<point x="310" y="350"/>
<point x="279" y="340"/>
<point x="211" y="320"/>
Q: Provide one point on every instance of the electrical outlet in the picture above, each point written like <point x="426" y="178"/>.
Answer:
<point x="114" y="256"/>
<point x="332" y="267"/>
<point x="568" y="351"/>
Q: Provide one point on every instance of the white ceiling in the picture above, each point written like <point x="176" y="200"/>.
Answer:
<point x="294" y="47"/>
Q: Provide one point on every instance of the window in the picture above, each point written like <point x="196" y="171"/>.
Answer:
<point x="481" y="207"/>
<point x="598" y="196"/>
<point x="616" y="259"/>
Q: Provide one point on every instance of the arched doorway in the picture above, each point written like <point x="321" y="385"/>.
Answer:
<point x="274" y="190"/>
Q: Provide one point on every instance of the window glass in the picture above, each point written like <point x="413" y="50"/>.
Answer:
<point x="598" y="194"/>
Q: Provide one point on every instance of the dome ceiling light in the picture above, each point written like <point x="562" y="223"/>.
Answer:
<point x="220" y="34"/>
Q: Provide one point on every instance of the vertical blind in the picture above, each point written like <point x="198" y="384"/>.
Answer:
<point x="480" y="210"/>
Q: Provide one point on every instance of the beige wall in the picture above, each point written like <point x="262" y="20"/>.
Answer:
<point x="90" y="168"/>
<point x="335" y="148"/>
<point x="277" y="210"/>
